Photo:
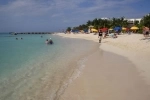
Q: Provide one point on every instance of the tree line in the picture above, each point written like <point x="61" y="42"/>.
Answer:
<point x="111" y="23"/>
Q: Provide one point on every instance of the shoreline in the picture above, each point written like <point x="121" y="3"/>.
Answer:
<point x="130" y="46"/>
<point x="104" y="78"/>
<point x="124" y="46"/>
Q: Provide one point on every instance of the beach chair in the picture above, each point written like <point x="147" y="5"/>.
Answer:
<point x="111" y="35"/>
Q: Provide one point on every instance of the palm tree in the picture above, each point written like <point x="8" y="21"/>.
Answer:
<point x="68" y="29"/>
<point x="95" y="23"/>
<point x="111" y="23"/>
<point x="146" y="20"/>
<point x="89" y="23"/>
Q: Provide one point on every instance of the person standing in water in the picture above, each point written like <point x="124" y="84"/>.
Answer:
<point x="100" y="35"/>
<point x="50" y="41"/>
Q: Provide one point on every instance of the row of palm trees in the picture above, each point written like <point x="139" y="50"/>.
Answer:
<point x="111" y="23"/>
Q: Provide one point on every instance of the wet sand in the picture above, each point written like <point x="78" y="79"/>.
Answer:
<point x="108" y="76"/>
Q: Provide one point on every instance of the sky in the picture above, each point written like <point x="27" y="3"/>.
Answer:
<point x="57" y="15"/>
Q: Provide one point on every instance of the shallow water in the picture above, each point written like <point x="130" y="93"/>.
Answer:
<point x="32" y="70"/>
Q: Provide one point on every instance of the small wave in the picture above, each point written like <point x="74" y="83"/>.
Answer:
<point x="75" y="74"/>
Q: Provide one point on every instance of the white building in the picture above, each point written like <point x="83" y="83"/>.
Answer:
<point x="132" y="21"/>
<point x="105" y="18"/>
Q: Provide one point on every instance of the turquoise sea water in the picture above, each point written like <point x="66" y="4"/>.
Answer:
<point x="33" y="70"/>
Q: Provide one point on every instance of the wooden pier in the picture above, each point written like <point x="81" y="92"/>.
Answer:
<point x="15" y="33"/>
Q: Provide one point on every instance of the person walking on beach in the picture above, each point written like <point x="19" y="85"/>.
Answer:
<point x="146" y="32"/>
<point x="100" y="35"/>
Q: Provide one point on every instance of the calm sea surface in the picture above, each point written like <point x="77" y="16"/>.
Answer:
<point x="33" y="70"/>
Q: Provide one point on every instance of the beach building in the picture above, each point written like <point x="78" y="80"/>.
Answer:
<point x="132" y="21"/>
<point x="105" y="18"/>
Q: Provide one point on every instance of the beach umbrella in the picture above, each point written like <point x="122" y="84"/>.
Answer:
<point x="82" y="31"/>
<point x="94" y="30"/>
<point x="104" y="29"/>
<point x="110" y="29"/>
<point x="117" y="28"/>
<point x="134" y="28"/>
<point x="123" y="28"/>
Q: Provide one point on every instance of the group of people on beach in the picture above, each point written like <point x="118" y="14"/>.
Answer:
<point x="102" y="36"/>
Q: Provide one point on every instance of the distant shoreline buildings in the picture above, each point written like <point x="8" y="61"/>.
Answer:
<point x="134" y="20"/>
<point x="130" y="21"/>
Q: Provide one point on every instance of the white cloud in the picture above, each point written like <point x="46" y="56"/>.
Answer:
<point x="24" y="7"/>
<point x="69" y="12"/>
<point x="40" y="7"/>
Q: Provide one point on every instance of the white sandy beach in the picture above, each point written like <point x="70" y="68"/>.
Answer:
<point x="114" y="78"/>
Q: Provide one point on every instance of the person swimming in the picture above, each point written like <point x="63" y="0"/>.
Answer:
<point x="46" y="41"/>
<point x="49" y="41"/>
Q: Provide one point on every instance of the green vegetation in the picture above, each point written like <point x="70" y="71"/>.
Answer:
<point x="146" y="20"/>
<point x="68" y="29"/>
<point x="111" y="23"/>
